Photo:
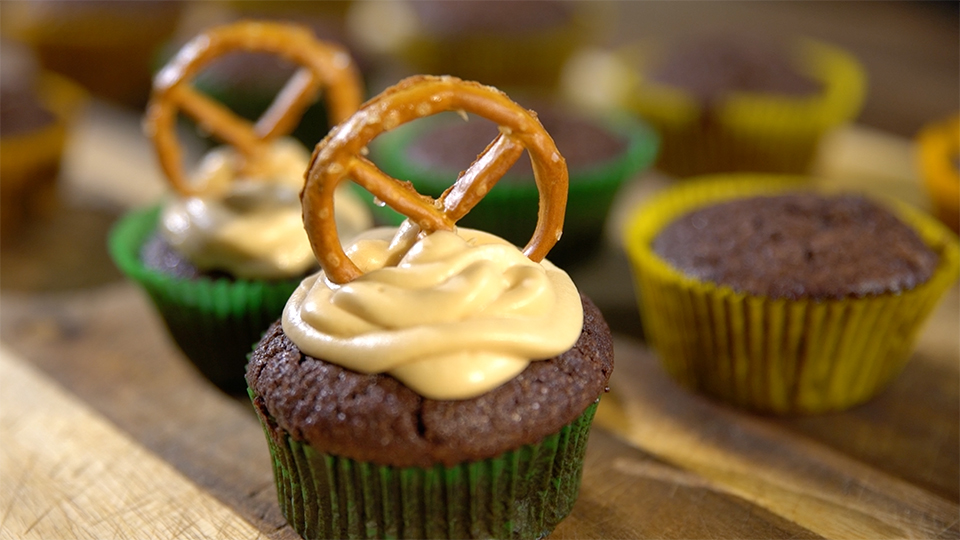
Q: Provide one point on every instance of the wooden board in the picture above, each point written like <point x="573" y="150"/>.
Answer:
<point x="108" y="432"/>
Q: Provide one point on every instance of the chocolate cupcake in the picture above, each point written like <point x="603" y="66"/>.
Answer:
<point x="602" y="153"/>
<point x="106" y="46"/>
<point x="220" y="256"/>
<point x="477" y="40"/>
<point x="431" y="382"/>
<point x="781" y="300"/>
<point x="723" y="104"/>
<point x="36" y="111"/>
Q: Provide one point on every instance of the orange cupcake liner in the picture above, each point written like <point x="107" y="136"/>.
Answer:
<point x="939" y="154"/>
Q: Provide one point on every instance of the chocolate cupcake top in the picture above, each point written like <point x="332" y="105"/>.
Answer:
<point x="798" y="245"/>
<point x="477" y="17"/>
<point x="376" y="418"/>
<point x="712" y="67"/>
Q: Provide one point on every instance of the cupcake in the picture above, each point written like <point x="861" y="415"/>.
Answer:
<point x="36" y="111"/>
<point x="478" y="40"/>
<point x="726" y="105"/>
<point x="431" y="381"/>
<point x="779" y="300"/>
<point x="106" y="46"/>
<point x="938" y="146"/>
<point x="601" y="154"/>
<point x="221" y="255"/>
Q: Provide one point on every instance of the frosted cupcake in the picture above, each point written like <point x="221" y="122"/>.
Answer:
<point x="221" y="255"/>
<point x="763" y="295"/>
<point x="432" y="381"/>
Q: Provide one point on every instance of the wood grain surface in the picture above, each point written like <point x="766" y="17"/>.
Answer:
<point x="107" y="432"/>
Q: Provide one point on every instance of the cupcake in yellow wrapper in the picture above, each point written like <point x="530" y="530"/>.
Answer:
<point x="769" y="353"/>
<point x="30" y="154"/>
<point x="519" y="45"/>
<point x="938" y="145"/>
<point x="739" y="108"/>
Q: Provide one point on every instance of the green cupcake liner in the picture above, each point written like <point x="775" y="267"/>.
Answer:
<point x="509" y="210"/>
<point x="215" y="322"/>
<point x="522" y="493"/>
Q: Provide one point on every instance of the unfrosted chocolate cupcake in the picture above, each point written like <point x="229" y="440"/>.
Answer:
<point x="37" y="109"/>
<point x="731" y="104"/>
<point x="778" y="300"/>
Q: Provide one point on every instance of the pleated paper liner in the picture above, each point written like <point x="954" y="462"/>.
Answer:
<point x="215" y="322"/>
<point x="938" y="145"/>
<point x="749" y="131"/>
<point x="522" y="493"/>
<point x="511" y="59"/>
<point x="776" y="355"/>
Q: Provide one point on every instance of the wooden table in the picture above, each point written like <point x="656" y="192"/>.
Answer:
<point x="108" y="433"/>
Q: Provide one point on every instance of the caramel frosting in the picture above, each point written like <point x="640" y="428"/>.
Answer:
<point x="451" y="314"/>
<point x="250" y="223"/>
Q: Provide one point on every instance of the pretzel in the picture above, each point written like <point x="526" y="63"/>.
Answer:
<point x="321" y="64"/>
<point x="340" y="155"/>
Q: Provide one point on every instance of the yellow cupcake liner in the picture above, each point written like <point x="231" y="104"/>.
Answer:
<point x="748" y="131"/>
<point x="518" y="61"/>
<point x="776" y="355"/>
<point x="938" y="146"/>
<point x="30" y="162"/>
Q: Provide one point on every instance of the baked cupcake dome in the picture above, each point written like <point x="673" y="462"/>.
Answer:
<point x="773" y="352"/>
<point x="726" y="105"/>
<point x="38" y="108"/>
<point x="602" y="154"/>
<point x="517" y="45"/>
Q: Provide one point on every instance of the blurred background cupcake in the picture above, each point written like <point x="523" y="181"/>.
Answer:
<point x="520" y="45"/>
<point x="36" y="110"/>
<point x="939" y="164"/>
<point x="602" y="153"/>
<point x="724" y="103"/>
<point x="764" y="295"/>
<point x="106" y="46"/>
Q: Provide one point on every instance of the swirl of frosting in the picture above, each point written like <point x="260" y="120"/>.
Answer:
<point x="252" y="226"/>
<point x="451" y="315"/>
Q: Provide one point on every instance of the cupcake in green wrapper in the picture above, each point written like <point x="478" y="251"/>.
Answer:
<point x="221" y="254"/>
<point x="431" y="382"/>
<point x="760" y="293"/>
<point x="723" y="104"/>
<point x="602" y="153"/>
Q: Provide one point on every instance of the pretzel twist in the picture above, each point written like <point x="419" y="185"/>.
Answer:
<point x="322" y="64"/>
<point x="339" y="156"/>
